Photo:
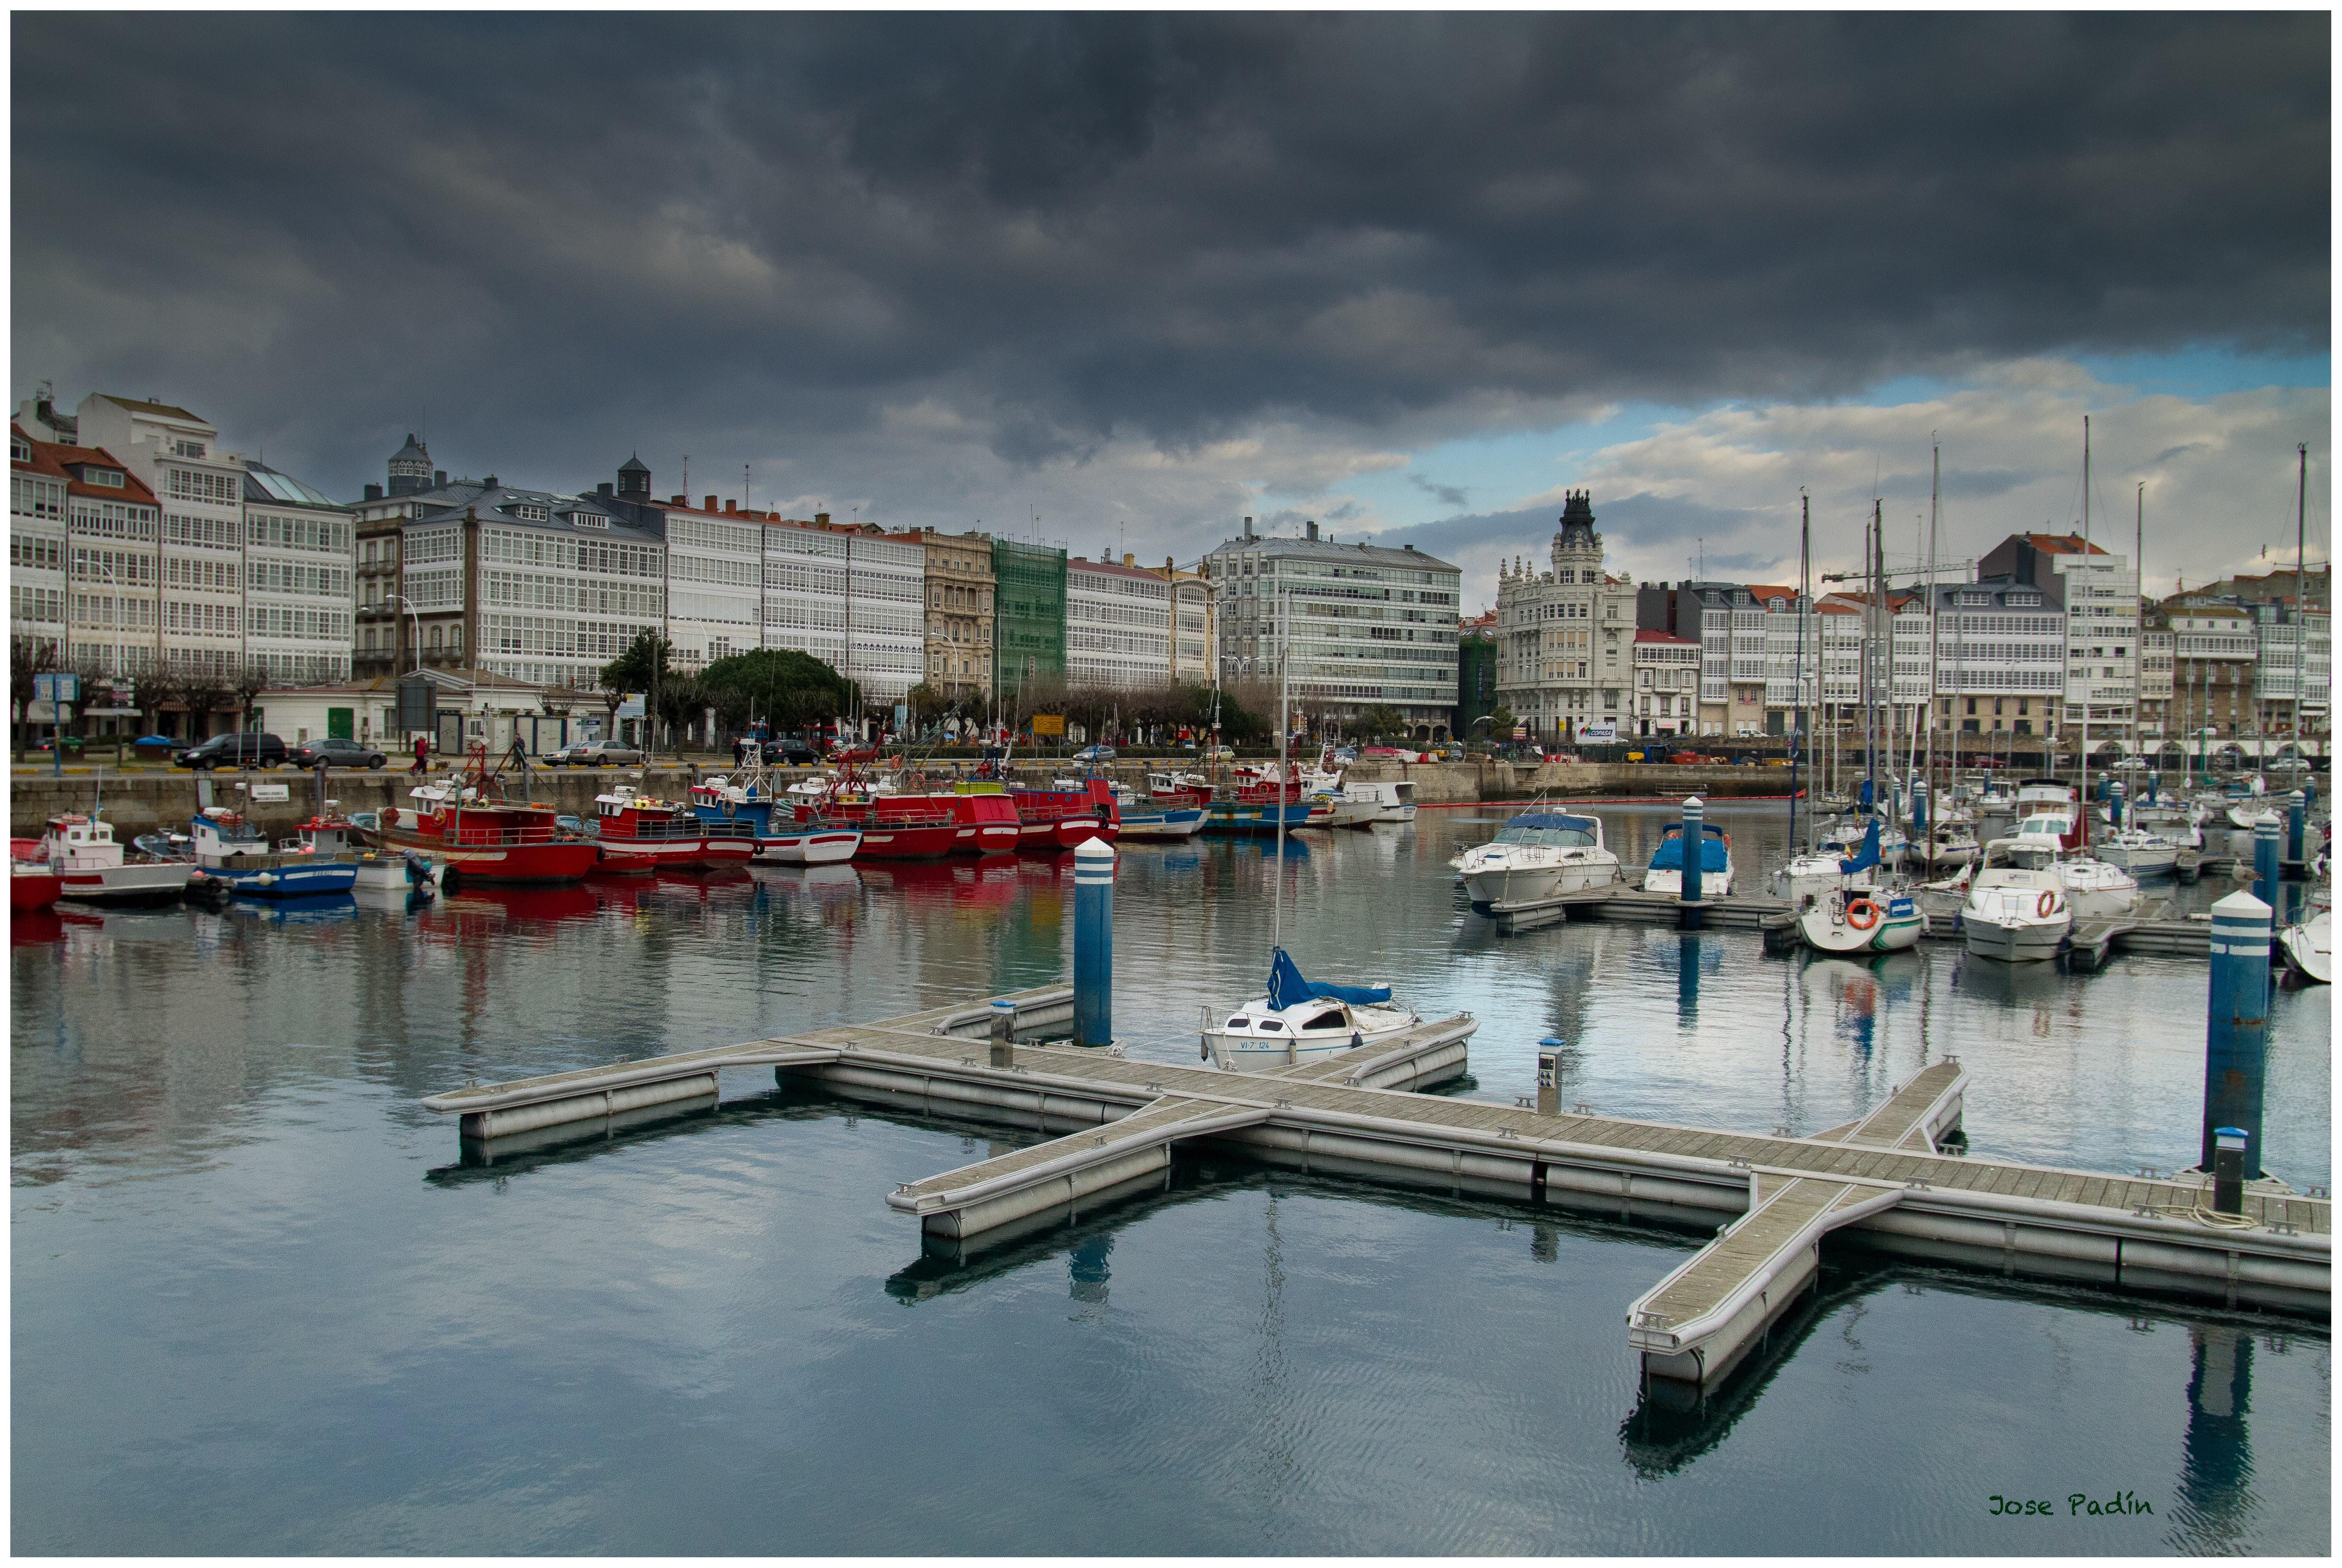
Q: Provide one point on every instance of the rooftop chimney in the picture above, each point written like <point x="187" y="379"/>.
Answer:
<point x="679" y="501"/>
<point x="604" y="488"/>
<point x="439" y="479"/>
<point x="711" y="504"/>
<point x="731" y="506"/>
<point x="373" y="492"/>
<point x="1312" y="528"/>
<point x="821" y="519"/>
<point x="1247" y="533"/>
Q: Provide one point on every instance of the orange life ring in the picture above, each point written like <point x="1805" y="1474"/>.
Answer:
<point x="1862" y="914"/>
<point x="2045" y="904"/>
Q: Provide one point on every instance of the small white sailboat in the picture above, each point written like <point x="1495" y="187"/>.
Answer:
<point x="1301" y="1020"/>
<point x="1537" y="854"/>
<point x="2309" y="948"/>
<point x="2138" y="852"/>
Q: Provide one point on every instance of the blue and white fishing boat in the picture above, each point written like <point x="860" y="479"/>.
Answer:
<point x="1174" y="823"/>
<point x="233" y="849"/>
<point x="1664" y="873"/>
<point x="1301" y="1020"/>
<point x="747" y="807"/>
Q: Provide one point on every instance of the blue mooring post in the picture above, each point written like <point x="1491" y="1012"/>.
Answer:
<point x="2115" y="792"/>
<point x="2296" y="823"/>
<point x="2265" y="860"/>
<point x="1920" y="808"/>
<point x="2236" y="1032"/>
<point x="1694" y="815"/>
<point x="1094" y="943"/>
<point x="2153" y="780"/>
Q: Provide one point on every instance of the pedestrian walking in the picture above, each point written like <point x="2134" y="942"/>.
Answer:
<point x="422" y="754"/>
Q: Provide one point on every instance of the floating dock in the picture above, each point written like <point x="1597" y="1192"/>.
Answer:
<point x="1888" y="1181"/>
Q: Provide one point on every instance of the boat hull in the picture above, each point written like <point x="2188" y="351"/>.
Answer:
<point x="2015" y="941"/>
<point x="1826" y="928"/>
<point x="1712" y="884"/>
<point x="34" y="889"/>
<point x="2309" y="949"/>
<point x="567" y="860"/>
<point x="291" y="881"/>
<point x="1169" y="825"/>
<point x="1252" y="1054"/>
<point x="817" y="846"/>
<point x="161" y="882"/>
<point x="1246" y="818"/>
<point x="1517" y="884"/>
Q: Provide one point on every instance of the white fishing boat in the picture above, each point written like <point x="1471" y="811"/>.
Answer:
<point x="1393" y="799"/>
<point x="2049" y="840"/>
<point x="2016" y="913"/>
<point x="92" y="869"/>
<point x="1172" y="823"/>
<point x="2309" y="948"/>
<point x="1299" y="1021"/>
<point x="1537" y="854"/>
<point x="1664" y="873"/>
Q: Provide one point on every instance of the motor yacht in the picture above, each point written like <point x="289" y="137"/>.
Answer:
<point x="1537" y="854"/>
<point x="2018" y="914"/>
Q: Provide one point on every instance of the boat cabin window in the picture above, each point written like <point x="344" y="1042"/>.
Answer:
<point x="1548" y="837"/>
<point x="1324" y="1021"/>
<point x="1272" y="1023"/>
<point x="1236" y="1022"/>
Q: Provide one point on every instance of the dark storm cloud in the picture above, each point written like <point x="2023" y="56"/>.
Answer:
<point x="569" y="237"/>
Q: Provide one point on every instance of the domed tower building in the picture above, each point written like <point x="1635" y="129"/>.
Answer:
<point x="1566" y="638"/>
<point x="410" y="468"/>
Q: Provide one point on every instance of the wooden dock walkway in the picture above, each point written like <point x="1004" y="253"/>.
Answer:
<point x="1885" y="1178"/>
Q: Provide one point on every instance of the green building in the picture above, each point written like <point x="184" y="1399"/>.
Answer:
<point x="1476" y="680"/>
<point x="1028" y="614"/>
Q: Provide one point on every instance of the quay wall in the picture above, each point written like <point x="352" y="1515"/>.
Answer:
<point x="142" y="801"/>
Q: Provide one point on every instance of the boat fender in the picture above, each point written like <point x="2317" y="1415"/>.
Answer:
<point x="2044" y="906"/>
<point x="1862" y="914"/>
<point x="451" y="879"/>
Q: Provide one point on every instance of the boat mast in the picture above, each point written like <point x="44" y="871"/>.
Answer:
<point x="1283" y="665"/>
<point x="1934" y="506"/>
<point x="2138" y="633"/>
<point x="1799" y="740"/>
<point x="2084" y="759"/>
<point x="2301" y="604"/>
<point x="1874" y="545"/>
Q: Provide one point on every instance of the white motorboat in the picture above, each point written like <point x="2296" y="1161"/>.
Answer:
<point x="2138" y="852"/>
<point x="808" y="843"/>
<point x="1300" y="1020"/>
<point x="1342" y="810"/>
<point x="1393" y="799"/>
<point x="2050" y="840"/>
<point x="91" y="868"/>
<point x="2016" y="913"/>
<point x="1664" y="873"/>
<point x="1835" y="864"/>
<point x="1861" y="920"/>
<point x="2309" y="948"/>
<point x="1146" y="821"/>
<point x="2182" y="825"/>
<point x="1537" y="854"/>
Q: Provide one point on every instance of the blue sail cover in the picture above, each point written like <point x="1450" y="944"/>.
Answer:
<point x="1713" y="856"/>
<point x="1865" y="796"/>
<point x="1287" y="989"/>
<point x="1866" y="856"/>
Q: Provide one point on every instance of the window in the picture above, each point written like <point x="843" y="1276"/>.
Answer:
<point x="186" y="449"/>
<point x="112" y="476"/>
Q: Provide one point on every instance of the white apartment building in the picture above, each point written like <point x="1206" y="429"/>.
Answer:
<point x="201" y="490"/>
<point x="2000" y="658"/>
<point x="37" y="543"/>
<point x="1667" y="683"/>
<point x="88" y="530"/>
<point x="2287" y="642"/>
<point x="2099" y="595"/>
<point x="1118" y="625"/>
<point x="298" y="578"/>
<point x="1369" y="624"/>
<point x="1566" y="638"/>
<point x="852" y="597"/>
<point x="1193" y="640"/>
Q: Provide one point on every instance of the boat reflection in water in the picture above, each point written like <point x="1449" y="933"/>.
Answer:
<point x="991" y="882"/>
<point x="524" y="901"/>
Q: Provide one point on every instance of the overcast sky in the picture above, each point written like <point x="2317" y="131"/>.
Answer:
<point x="1143" y="276"/>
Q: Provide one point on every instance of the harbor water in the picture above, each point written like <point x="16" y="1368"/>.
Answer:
<point x="263" y="1304"/>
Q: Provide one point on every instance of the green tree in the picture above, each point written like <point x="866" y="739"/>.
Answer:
<point x="641" y="668"/>
<point x="788" y="688"/>
<point x="1380" y="720"/>
<point x="1498" y="721"/>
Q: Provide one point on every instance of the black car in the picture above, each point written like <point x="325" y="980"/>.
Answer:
<point x="793" y="753"/>
<point x="335" y="753"/>
<point x="243" y="749"/>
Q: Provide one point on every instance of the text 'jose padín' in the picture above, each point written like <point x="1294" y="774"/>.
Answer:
<point x="2077" y="1503"/>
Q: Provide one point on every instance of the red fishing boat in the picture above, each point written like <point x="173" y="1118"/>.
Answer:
<point x="668" y="833"/>
<point x="33" y="882"/>
<point x="1051" y="820"/>
<point x="1178" y="791"/>
<point x="966" y="819"/>
<point x="482" y="840"/>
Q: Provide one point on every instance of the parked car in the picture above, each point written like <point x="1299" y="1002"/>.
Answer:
<point x="1094" y="755"/>
<point x="242" y="749"/>
<point x="791" y="754"/>
<point x="601" y="755"/>
<point x="73" y="744"/>
<point x="336" y="752"/>
<point x="1346" y="754"/>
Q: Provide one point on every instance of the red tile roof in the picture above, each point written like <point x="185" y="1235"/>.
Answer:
<point x="1643" y="636"/>
<point x="61" y="462"/>
<point x="2061" y="545"/>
